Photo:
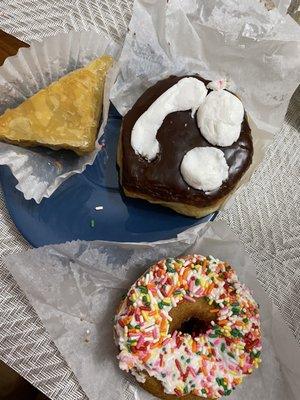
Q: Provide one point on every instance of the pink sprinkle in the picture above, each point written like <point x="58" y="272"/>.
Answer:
<point x="217" y="342"/>
<point x="140" y="342"/>
<point x="199" y="292"/>
<point x="191" y="285"/>
<point x="164" y="280"/>
<point x="166" y="341"/>
<point x="192" y="371"/>
<point x="189" y="298"/>
<point x="137" y="317"/>
<point x="155" y="333"/>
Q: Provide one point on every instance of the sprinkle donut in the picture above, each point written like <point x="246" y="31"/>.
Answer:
<point x="188" y="328"/>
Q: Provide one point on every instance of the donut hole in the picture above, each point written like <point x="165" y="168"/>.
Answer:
<point x="195" y="326"/>
<point x="193" y="318"/>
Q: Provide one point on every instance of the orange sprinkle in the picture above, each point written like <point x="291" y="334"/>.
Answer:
<point x="239" y="323"/>
<point x="146" y="358"/>
<point x="214" y="310"/>
<point x="204" y="370"/>
<point x="185" y="274"/>
<point x="194" y="347"/>
<point x="163" y="325"/>
<point x="170" y="292"/>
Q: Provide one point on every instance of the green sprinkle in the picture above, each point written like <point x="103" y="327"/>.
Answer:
<point x="137" y="326"/>
<point x="163" y="375"/>
<point x="185" y="390"/>
<point x="235" y="310"/>
<point x="198" y="353"/>
<point x="182" y="357"/>
<point x="143" y="289"/>
<point x="177" y="292"/>
<point x="227" y="392"/>
<point x="213" y="335"/>
<point x="170" y="268"/>
<point x="160" y="305"/>
<point x="245" y="320"/>
<point x="231" y="355"/>
<point x="169" y="260"/>
<point x="236" y="333"/>
<point x="203" y="391"/>
<point x="188" y="360"/>
<point x="130" y="326"/>
<point x="208" y="270"/>
<point x="145" y="299"/>
<point x="197" y="282"/>
<point x="92" y="223"/>
<point x="223" y="347"/>
<point x="254" y="355"/>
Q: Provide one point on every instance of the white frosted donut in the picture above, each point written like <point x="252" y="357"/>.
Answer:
<point x="208" y="364"/>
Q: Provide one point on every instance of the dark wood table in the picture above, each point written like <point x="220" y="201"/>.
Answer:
<point x="9" y="45"/>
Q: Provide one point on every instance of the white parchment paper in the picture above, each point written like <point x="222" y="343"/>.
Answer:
<point x="76" y="287"/>
<point x="257" y="50"/>
<point x="40" y="171"/>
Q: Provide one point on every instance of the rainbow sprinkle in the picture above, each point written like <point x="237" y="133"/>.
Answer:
<point x="209" y="365"/>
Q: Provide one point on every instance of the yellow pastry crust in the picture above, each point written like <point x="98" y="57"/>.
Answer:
<point x="64" y="115"/>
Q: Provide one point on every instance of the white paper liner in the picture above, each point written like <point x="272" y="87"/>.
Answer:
<point x="40" y="171"/>
<point x="76" y="287"/>
<point x="255" y="49"/>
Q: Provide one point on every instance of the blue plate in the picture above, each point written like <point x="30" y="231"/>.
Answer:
<point x="70" y="213"/>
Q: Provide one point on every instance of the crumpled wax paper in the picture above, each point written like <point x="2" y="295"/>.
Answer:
<point x="76" y="288"/>
<point x="257" y="50"/>
<point x="40" y="171"/>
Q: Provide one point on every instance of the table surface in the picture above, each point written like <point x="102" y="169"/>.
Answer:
<point x="265" y="214"/>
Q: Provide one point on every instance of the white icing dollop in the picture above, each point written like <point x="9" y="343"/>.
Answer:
<point x="204" y="168"/>
<point x="220" y="117"/>
<point x="187" y="94"/>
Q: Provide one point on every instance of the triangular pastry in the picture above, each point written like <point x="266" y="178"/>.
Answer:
<point x="64" y="115"/>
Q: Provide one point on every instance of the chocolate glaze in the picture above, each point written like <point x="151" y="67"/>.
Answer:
<point x="161" y="179"/>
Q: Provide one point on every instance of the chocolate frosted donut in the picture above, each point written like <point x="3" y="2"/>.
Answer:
<point x="160" y="180"/>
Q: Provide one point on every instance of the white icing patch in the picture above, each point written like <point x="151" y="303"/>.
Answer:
<point x="204" y="168"/>
<point x="219" y="118"/>
<point x="187" y="94"/>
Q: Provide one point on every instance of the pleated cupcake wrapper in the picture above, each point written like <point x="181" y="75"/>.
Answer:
<point x="40" y="171"/>
<point x="256" y="50"/>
